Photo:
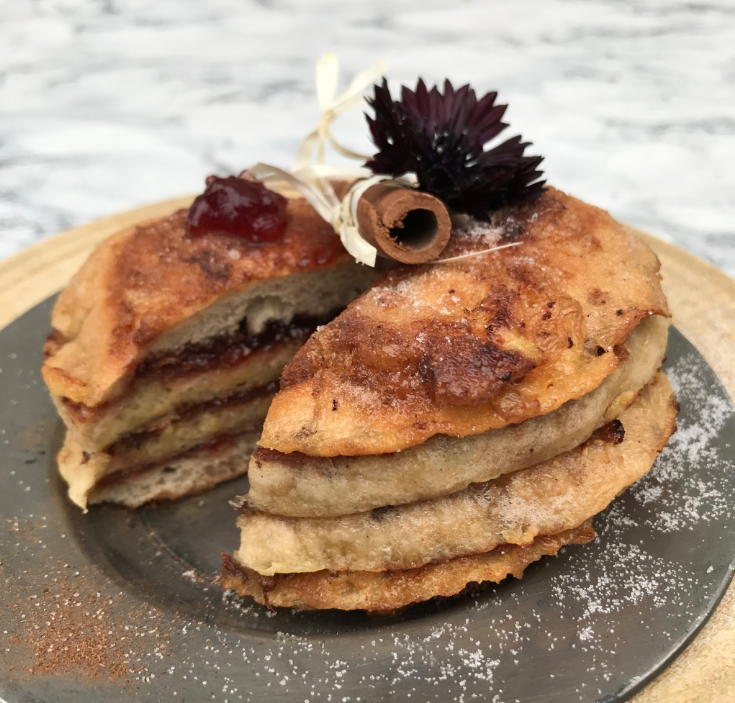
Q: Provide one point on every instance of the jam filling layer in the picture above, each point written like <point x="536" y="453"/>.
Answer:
<point x="230" y="349"/>
<point x="214" y="353"/>
<point x="134" y="440"/>
<point x="220" y="444"/>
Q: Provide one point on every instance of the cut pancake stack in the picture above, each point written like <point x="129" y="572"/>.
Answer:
<point x="459" y="421"/>
<point x="167" y="350"/>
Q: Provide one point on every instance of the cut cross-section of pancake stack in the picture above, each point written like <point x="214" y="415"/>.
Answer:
<point x="167" y="349"/>
<point x="459" y="421"/>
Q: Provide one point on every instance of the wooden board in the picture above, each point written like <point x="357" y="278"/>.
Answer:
<point x="703" y="301"/>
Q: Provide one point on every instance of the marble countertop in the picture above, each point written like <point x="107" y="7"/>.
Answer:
<point x="110" y="104"/>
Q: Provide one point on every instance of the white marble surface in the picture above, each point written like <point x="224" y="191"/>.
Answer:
<point x="109" y="104"/>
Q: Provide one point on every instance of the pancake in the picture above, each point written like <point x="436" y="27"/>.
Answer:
<point x="164" y="342"/>
<point x="390" y="590"/>
<point x="545" y="499"/>
<point x="151" y="288"/>
<point x="300" y="486"/>
<point x="461" y="348"/>
<point x="155" y="318"/>
<point x="152" y="396"/>
<point x="192" y="472"/>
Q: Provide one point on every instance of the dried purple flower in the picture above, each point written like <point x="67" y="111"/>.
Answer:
<point x="440" y="136"/>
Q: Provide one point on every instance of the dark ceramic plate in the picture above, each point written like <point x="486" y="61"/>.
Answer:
<point x="120" y="606"/>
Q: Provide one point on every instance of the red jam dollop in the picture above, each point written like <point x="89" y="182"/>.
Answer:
<point x="239" y="207"/>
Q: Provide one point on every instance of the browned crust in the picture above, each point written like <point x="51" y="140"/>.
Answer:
<point x="477" y="344"/>
<point x="389" y="590"/>
<point x="148" y="278"/>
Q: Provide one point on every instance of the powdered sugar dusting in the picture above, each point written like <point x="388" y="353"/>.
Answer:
<point x="632" y="577"/>
<point x="691" y="481"/>
<point x="484" y="233"/>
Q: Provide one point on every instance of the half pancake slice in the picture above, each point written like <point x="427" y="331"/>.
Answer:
<point x="460" y="420"/>
<point x="166" y="345"/>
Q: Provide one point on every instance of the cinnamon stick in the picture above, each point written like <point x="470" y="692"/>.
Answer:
<point x="405" y="224"/>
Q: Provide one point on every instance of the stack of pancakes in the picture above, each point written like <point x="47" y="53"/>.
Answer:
<point x="167" y="350"/>
<point x="460" y="420"/>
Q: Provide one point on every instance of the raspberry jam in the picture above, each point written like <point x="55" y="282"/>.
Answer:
<point x="238" y="207"/>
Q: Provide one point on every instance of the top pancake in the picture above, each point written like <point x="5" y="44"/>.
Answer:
<point x="472" y="345"/>
<point x="145" y="280"/>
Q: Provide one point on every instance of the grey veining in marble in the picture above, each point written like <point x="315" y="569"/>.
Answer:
<point x="109" y="104"/>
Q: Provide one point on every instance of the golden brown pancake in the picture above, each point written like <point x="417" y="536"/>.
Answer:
<point x="150" y="300"/>
<point x="389" y="590"/>
<point x="464" y="347"/>
<point x="140" y="286"/>
<point x="302" y="486"/>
